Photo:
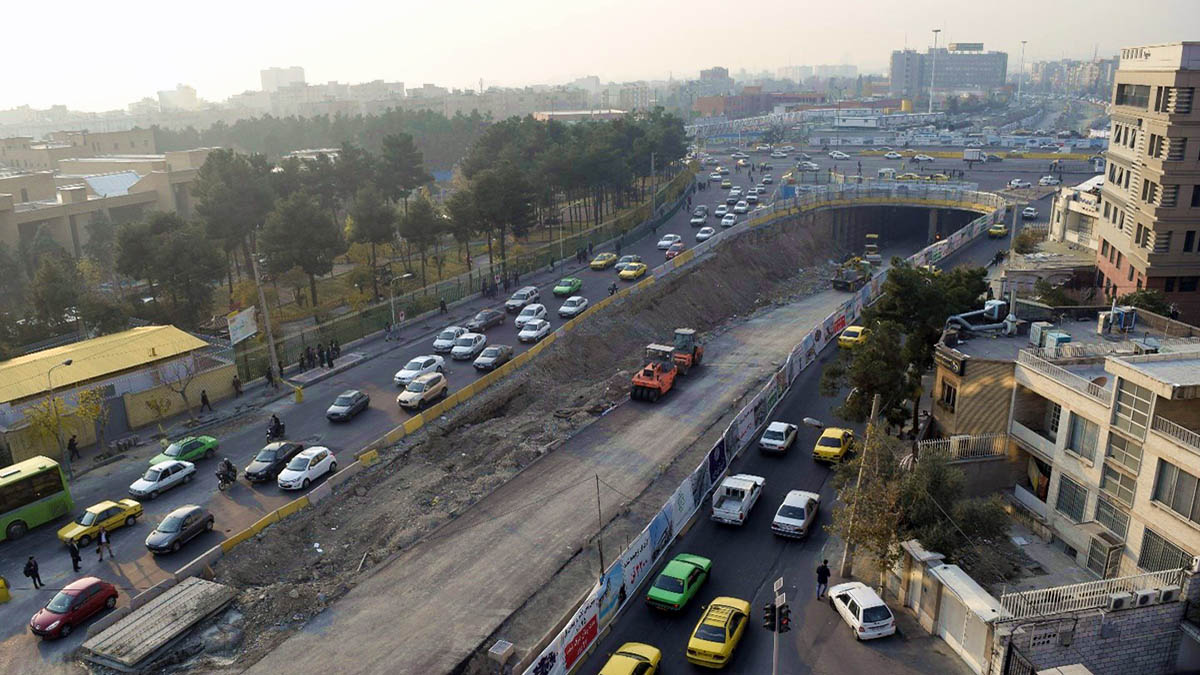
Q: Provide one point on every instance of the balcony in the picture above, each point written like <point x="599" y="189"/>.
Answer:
<point x="1097" y="392"/>
<point x="1030" y="501"/>
<point x="1041" y="445"/>
<point x="1177" y="433"/>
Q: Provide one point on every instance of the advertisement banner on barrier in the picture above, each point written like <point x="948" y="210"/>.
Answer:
<point x="718" y="461"/>
<point x="834" y="324"/>
<point x="550" y="661"/>
<point x="808" y="350"/>
<point x="689" y="496"/>
<point x="740" y="429"/>
<point x="581" y="632"/>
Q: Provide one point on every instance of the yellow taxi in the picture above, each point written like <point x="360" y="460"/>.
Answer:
<point x="908" y="176"/>
<point x="852" y="336"/>
<point x="107" y="514"/>
<point x="633" y="658"/>
<point x="718" y="632"/>
<point x="833" y="445"/>
<point x="939" y="177"/>
<point x="633" y="271"/>
<point x="726" y="184"/>
<point x="997" y="231"/>
<point x="742" y="162"/>
<point x="604" y="261"/>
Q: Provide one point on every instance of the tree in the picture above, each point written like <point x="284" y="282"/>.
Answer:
<point x="871" y="368"/>
<point x="135" y="252"/>
<point x="45" y="418"/>
<point x="93" y="409"/>
<point x="298" y="234"/>
<point x="464" y="221"/>
<point x="401" y="168"/>
<point x="178" y="376"/>
<point x="187" y="264"/>
<point x="57" y="287"/>
<point x="1150" y="299"/>
<point x="12" y="281"/>
<point x="420" y="227"/>
<point x="504" y="198"/>
<point x="233" y="197"/>
<point x="160" y="406"/>
<point x="371" y="222"/>
<point x="101" y="247"/>
<point x="869" y="486"/>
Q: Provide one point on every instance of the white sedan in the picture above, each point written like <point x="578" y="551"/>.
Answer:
<point x="1029" y="213"/>
<point x="306" y="467"/>
<point x="768" y="179"/>
<point x="668" y="239"/>
<point x="573" y="307"/>
<point x="779" y="154"/>
<point x="721" y="211"/>
<point x="838" y="154"/>
<point x="893" y="155"/>
<point x="922" y="158"/>
<point x="530" y="313"/>
<point x="417" y="367"/>
<point x="697" y="220"/>
<point x="705" y="233"/>
<point x="468" y="346"/>
<point x="444" y="342"/>
<point x="778" y="437"/>
<point x="534" y="330"/>
<point x="716" y="175"/>
<point x="162" y="477"/>
<point x="741" y="207"/>
<point x="797" y="514"/>
<point x="1019" y="183"/>
<point x="1048" y="180"/>
<point x="809" y="166"/>
<point x="729" y="220"/>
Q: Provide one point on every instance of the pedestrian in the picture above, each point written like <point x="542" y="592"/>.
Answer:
<point x="589" y="249"/>
<point x="31" y="571"/>
<point x="442" y="301"/>
<point x="387" y="331"/>
<point x="274" y="382"/>
<point x="337" y="348"/>
<point x="102" y="537"/>
<point x="204" y="403"/>
<point x="270" y="377"/>
<point x="100" y="551"/>
<point x="321" y="354"/>
<point x="73" y="447"/>
<point x="822" y="579"/>
<point x="73" y="549"/>
<point x="237" y="386"/>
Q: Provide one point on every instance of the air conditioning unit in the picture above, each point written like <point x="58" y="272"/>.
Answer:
<point x="1103" y="322"/>
<point x="1036" y="331"/>
<point x="959" y="443"/>
<point x="1168" y="594"/>
<point x="1194" y="568"/>
<point x="1056" y="338"/>
<point x="1124" y="318"/>
<point x="1120" y="601"/>
<point x="1145" y="597"/>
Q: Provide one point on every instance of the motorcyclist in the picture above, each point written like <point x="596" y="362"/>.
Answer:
<point x="275" y="427"/>
<point x="227" y="471"/>
<point x="612" y="289"/>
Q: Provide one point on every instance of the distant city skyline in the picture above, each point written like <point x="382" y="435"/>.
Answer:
<point x="219" y="51"/>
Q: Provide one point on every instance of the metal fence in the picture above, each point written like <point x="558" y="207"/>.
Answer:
<point x="960" y="448"/>
<point x="1063" y="376"/>
<point x="1088" y="595"/>
<point x="1016" y="663"/>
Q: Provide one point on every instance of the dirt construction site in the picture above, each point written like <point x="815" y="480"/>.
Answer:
<point x="484" y="524"/>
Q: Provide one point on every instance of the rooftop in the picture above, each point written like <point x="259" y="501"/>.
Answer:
<point x="998" y="347"/>
<point x="1052" y="255"/>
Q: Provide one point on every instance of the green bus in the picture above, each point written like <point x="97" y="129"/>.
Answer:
<point x="32" y="492"/>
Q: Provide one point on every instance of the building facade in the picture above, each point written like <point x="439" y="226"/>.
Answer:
<point x="1074" y="213"/>
<point x="1150" y="201"/>
<point x="275" y="78"/>
<point x="968" y="68"/>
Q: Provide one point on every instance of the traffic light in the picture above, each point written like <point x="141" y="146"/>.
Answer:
<point x="785" y="618"/>
<point x="769" y="616"/>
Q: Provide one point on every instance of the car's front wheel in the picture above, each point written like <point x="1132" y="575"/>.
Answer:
<point x="111" y="602"/>
<point x="64" y="630"/>
<point x="130" y="520"/>
<point x="83" y="541"/>
<point x="304" y="485"/>
<point x="153" y="494"/>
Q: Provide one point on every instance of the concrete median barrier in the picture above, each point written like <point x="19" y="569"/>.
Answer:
<point x="319" y="493"/>
<point x="344" y="475"/>
<point x="108" y="620"/>
<point x="199" y="564"/>
<point x="293" y="506"/>
<point x="264" y="522"/>
<point x="235" y="539"/>
<point x="151" y="593"/>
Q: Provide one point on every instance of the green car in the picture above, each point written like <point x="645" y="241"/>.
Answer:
<point x="678" y="582"/>
<point x="568" y="286"/>
<point x="188" y="449"/>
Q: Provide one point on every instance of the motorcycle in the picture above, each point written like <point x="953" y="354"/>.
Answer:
<point x="276" y="432"/>
<point x="226" y="478"/>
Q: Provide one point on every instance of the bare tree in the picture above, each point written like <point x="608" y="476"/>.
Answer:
<point x="160" y="406"/>
<point x="93" y="409"/>
<point x="178" y="376"/>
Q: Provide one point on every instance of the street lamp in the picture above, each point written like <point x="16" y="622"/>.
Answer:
<point x="933" y="67"/>
<point x="54" y="407"/>
<point x="392" y="291"/>
<point x="1021" y="72"/>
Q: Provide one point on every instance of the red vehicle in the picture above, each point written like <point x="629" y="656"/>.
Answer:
<point x="675" y="249"/>
<point x="72" y="606"/>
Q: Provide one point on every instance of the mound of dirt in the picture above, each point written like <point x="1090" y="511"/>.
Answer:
<point x="293" y="570"/>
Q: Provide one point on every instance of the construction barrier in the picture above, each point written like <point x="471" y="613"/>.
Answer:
<point x="295" y="505"/>
<point x="151" y="593"/>
<point x="264" y="522"/>
<point x="198" y="564"/>
<point x="235" y="539"/>
<point x="344" y="475"/>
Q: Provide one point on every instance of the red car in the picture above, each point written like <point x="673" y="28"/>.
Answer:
<point x="72" y="606"/>
<point x="675" y="249"/>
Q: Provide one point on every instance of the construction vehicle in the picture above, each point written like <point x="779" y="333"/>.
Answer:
<point x="851" y="275"/>
<point x="871" y="250"/>
<point x="688" y="351"/>
<point x="657" y="376"/>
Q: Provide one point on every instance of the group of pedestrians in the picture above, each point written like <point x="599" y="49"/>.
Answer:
<point x="321" y="356"/>
<point x="33" y="572"/>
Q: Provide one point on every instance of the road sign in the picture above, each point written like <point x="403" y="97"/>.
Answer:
<point x="780" y="599"/>
<point x="778" y="585"/>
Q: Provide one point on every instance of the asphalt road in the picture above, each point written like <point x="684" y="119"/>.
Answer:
<point x="748" y="559"/>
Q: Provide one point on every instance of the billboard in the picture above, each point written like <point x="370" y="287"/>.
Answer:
<point x="241" y="325"/>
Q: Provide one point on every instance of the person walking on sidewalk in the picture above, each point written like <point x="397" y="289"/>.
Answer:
<point x="31" y="571"/>
<point x="442" y="306"/>
<point x="237" y="386"/>
<point x="387" y="332"/>
<point x="589" y="249"/>
<point x="73" y="447"/>
<point x="337" y="350"/>
<point x="73" y="549"/>
<point x="204" y="402"/>
<point x="102" y="537"/>
<point x="822" y="579"/>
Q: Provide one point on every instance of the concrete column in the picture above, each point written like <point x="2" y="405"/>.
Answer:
<point x="933" y="224"/>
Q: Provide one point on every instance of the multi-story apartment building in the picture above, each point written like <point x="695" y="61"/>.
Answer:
<point x="1075" y="211"/>
<point x="1150" y="202"/>
<point x="274" y="78"/>
<point x="25" y="154"/>
<point x="967" y="68"/>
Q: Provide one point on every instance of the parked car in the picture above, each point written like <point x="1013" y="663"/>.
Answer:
<point x="484" y="320"/>
<point x="531" y="312"/>
<point x="419" y="366"/>
<point x="73" y="605"/>
<point x="269" y="461"/>
<point x="444" y="342"/>
<point x="833" y="445"/>
<point x="469" y="345"/>
<point x="537" y="329"/>
<point x="308" y="466"/>
<point x="667" y="239"/>
<point x="162" y="477"/>
<point x="188" y="449"/>
<point x="493" y="357"/>
<point x="718" y="632"/>
<point x="1045" y="181"/>
<point x="705" y="233"/>
<point x="633" y="658"/>
<point x="178" y="528"/>
<point x="568" y="286"/>
<point x="107" y="514"/>
<point x="797" y="514"/>
<point x="678" y="582"/>
<point x="523" y="297"/>
<point x="348" y="404"/>
<point x="778" y="437"/>
<point x="573" y="307"/>
<point x="423" y="390"/>
<point x="863" y="610"/>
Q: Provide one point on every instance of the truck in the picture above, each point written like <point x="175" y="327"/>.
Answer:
<point x="735" y="496"/>
<point x="974" y="155"/>
<point x="851" y="275"/>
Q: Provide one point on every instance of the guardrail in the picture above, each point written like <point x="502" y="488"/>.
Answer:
<point x="959" y="448"/>
<point x="1180" y="433"/>
<point x="1088" y="595"/>
<point x="1063" y="376"/>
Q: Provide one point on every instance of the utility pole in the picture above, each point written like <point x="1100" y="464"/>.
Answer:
<point x="653" y="188"/>
<point x="600" y="532"/>
<point x="777" y="619"/>
<point x="933" y="67"/>
<point x="848" y="552"/>
<point x="1021" y="72"/>
<point x="273" y="366"/>
<point x="57" y="423"/>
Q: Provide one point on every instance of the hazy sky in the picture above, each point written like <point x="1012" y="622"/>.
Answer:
<point x="100" y="56"/>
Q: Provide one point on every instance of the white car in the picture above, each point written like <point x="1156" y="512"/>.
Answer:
<point x="788" y="148"/>
<point x="668" y="239"/>
<point x="1048" y="180"/>
<point x="893" y="155"/>
<point x="444" y="342"/>
<point x="760" y="190"/>
<point x="468" y="346"/>
<point x="716" y="175"/>
<point x="1019" y="183"/>
<point x="573" y="307"/>
<point x="418" y="367"/>
<point x="922" y="158"/>
<point x="863" y="610"/>
<point x="530" y="313"/>
<point x="162" y="477"/>
<point x="752" y="198"/>
<point x="525" y="296"/>
<point x="762" y="148"/>
<point x="701" y="210"/>
<point x="735" y="191"/>
<point x="729" y="220"/>
<point x="779" y="154"/>
<point x="1029" y="213"/>
<point x="809" y="166"/>
<point x="778" y="437"/>
<point x="721" y="211"/>
<point x="534" y="330"/>
<point x="697" y="221"/>
<point x="797" y="514"/>
<point x="306" y="467"/>
<point x="741" y="207"/>
<point x="838" y="154"/>
<point x="705" y="233"/>
<point x="768" y="179"/>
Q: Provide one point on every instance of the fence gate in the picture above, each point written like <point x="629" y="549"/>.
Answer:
<point x="951" y="624"/>
<point x="1015" y="662"/>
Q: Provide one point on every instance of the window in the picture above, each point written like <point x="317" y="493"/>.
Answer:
<point x="1175" y="489"/>
<point x="1107" y="208"/>
<point x="1169" y="285"/>
<point x="1158" y="554"/>
<point x="1082" y="437"/>
<point x="1188" y="284"/>
<point x="1104" y="246"/>
<point x="1130" y="273"/>
<point x="1189" y="237"/>
<point x="1072" y="497"/>
<point x="1156" y="146"/>
<point x="1124" y="452"/>
<point x="1118" y="485"/>
<point x="1195" y="196"/>
<point x="1120" y="259"/>
<point x="949" y="396"/>
<point x="1112" y="516"/>
<point x="1053" y="416"/>
<point x="1132" y="408"/>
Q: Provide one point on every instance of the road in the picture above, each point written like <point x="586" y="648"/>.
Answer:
<point x="748" y="559"/>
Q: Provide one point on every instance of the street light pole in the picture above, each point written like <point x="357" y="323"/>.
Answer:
<point x="933" y="67"/>
<point x="57" y="423"/>
<point x="273" y="367"/>
<point x="1021" y="72"/>
<point x="848" y="551"/>
<point x="654" y="188"/>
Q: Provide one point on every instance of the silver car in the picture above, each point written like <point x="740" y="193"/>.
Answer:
<point x="162" y="477"/>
